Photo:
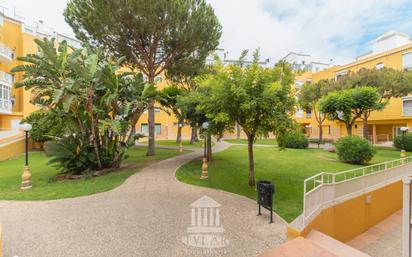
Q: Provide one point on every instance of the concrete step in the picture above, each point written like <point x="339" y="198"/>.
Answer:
<point x="334" y="246"/>
<point x="298" y="247"/>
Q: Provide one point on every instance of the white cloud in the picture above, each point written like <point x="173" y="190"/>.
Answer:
<point x="326" y="29"/>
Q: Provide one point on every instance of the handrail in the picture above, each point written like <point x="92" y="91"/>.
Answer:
<point x="352" y="173"/>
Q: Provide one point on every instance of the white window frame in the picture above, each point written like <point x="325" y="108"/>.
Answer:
<point x="404" y="112"/>
<point x="380" y="65"/>
<point x="407" y="66"/>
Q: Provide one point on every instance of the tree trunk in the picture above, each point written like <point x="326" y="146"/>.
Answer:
<point x="179" y="131"/>
<point x="237" y="131"/>
<point x="194" y="136"/>
<point x="250" y="140"/>
<point x="209" y="147"/>
<point x="349" y="129"/>
<point x="151" y="122"/>
<point x="365" y="126"/>
<point x="320" y="135"/>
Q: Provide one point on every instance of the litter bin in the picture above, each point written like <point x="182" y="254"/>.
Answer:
<point x="266" y="190"/>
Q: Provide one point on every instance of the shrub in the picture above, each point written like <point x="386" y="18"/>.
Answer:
<point x="46" y="124"/>
<point x="355" y="150"/>
<point x="407" y="142"/>
<point x="296" y="140"/>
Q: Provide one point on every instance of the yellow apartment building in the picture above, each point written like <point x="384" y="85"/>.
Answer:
<point x="393" y="50"/>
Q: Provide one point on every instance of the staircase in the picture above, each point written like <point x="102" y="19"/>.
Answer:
<point x="316" y="244"/>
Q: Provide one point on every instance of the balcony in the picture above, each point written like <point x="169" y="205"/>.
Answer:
<point x="6" y="54"/>
<point x="6" y="81"/>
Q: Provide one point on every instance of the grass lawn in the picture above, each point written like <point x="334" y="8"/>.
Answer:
<point x="287" y="169"/>
<point x="261" y="141"/>
<point x="44" y="189"/>
<point x="186" y="143"/>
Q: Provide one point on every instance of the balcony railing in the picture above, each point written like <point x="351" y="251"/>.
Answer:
<point x="6" y="54"/>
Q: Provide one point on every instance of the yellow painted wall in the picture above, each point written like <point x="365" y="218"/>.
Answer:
<point x="13" y="149"/>
<point x="392" y="114"/>
<point x="353" y="217"/>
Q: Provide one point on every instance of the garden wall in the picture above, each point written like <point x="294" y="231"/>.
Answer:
<point x="348" y="219"/>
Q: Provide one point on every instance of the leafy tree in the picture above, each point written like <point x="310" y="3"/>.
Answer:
<point x="388" y="82"/>
<point x="350" y="104"/>
<point x="309" y="96"/>
<point x="168" y="97"/>
<point x="257" y="98"/>
<point x="46" y="125"/>
<point x="152" y="35"/>
<point x="100" y="105"/>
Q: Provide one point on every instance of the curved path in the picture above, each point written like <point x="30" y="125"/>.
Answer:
<point x="146" y="216"/>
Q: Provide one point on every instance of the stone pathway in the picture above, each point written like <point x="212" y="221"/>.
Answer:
<point x="146" y="216"/>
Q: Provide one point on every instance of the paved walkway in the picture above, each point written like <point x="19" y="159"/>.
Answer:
<point x="146" y="216"/>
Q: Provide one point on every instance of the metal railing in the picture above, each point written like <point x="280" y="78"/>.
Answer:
<point x="325" y="189"/>
<point x="6" y="78"/>
<point x="6" y="51"/>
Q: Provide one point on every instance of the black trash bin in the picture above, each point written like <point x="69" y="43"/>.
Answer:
<point x="266" y="190"/>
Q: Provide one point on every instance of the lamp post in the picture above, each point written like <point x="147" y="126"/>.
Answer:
<point x="205" y="175"/>
<point x="180" y="143"/>
<point x="26" y="183"/>
<point x="404" y="130"/>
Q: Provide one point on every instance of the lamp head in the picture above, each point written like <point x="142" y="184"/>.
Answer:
<point x="181" y="125"/>
<point x="205" y="125"/>
<point x="404" y="129"/>
<point x="26" y="127"/>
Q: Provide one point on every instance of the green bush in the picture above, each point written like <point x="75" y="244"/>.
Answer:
<point x="407" y="142"/>
<point x="355" y="150"/>
<point x="46" y="124"/>
<point x="296" y="140"/>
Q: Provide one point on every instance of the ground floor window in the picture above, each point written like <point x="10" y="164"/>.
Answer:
<point x="144" y="128"/>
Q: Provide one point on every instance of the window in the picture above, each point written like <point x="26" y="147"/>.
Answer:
<point x="158" y="79"/>
<point x="299" y="113"/>
<point x="157" y="110"/>
<point x="341" y="74"/>
<point x="5" y="95"/>
<point x="309" y="115"/>
<point x="407" y="61"/>
<point x="298" y="84"/>
<point x="329" y="130"/>
<point x="144" y="129"/>
<point x="379" y="66"/>
<point x="407" y="106"/>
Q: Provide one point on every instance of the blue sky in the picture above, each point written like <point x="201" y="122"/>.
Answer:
<point x="327" y="29"/>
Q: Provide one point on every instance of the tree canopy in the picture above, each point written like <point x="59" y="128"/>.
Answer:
<point x="151" y="35"/>
<point x="350" y="104"/>
<point x="257" y="98"/>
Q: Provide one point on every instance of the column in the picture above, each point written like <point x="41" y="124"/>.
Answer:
<point x="375" y="140"/>
<point x="199" y="217"/>
<point x="217" y="218"/>
<point x="211" y="217"/>
<point x="205" y="217"/>
<point x="193" y="221"/>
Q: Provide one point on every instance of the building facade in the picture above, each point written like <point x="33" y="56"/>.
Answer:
<point x="392" y="50"/>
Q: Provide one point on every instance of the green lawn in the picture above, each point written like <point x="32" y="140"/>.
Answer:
<point x="44" y="189"/>
<point x="287" y="169"/>
<point x="186" y="143"/>
<point x="261" y="141"/>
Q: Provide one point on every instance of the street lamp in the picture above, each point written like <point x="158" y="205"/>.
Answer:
<point x="404" y="130"/>
<point x="180" y="143"/>
<point x="205" y="175"/>
<point x="26" y="184"/>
